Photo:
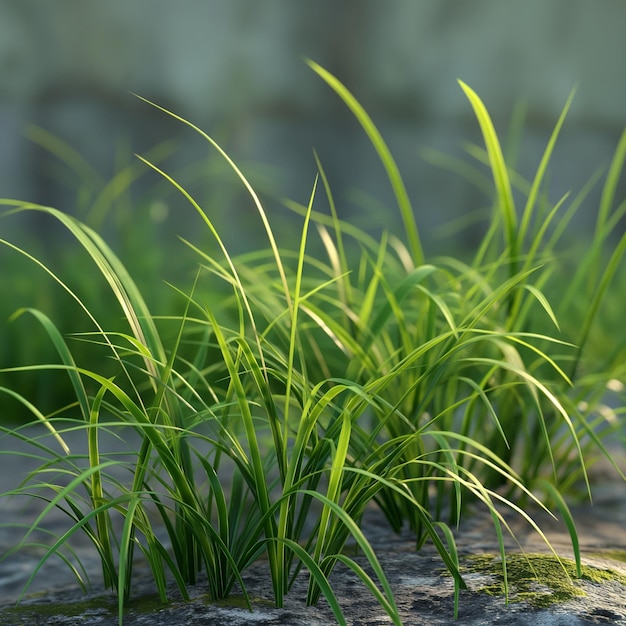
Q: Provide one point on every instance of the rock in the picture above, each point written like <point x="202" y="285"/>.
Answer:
<point x="424" y="592"/>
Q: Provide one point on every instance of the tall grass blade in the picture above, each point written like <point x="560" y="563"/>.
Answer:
<point x="504" y="195"/>
<point x="397" y="184"/>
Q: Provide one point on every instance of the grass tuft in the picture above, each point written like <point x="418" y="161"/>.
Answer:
<point x="296" y="387"/>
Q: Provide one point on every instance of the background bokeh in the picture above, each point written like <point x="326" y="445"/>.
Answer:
<point x="235" y="68"/>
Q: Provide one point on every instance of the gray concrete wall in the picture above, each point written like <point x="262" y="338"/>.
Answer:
<point x="235" y="68"/>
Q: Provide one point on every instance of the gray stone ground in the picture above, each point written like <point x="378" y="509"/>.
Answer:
<point x="423" y="592"/>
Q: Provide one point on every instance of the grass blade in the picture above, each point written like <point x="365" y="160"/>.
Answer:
<point x="393" y="173"/>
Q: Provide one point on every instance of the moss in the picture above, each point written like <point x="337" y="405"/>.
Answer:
<point x="145" y="604"/>
<point x="52" y="609"/>
<point x="236" y="601"/>
<point x="106" y="607"/>
<point x="539" y="579"/>
<point x="95" y="606"/>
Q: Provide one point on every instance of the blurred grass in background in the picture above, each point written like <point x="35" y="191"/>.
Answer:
<point x="142" y="218"/>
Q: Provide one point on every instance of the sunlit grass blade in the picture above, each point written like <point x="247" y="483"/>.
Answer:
<point x="123" y="287"/>
<point x="38" y="414"/>
<point x="103" y="523"/>
<point x="529" y="209"/>
<point x="506" y="205"/>
<point x="243" y="179"/>
<point x="339" y="259"/>
<point x="402" y="197"/>
<point x="295" y="309"/>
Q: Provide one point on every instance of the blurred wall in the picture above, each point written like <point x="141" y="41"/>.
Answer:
<point x="235" y="68"/>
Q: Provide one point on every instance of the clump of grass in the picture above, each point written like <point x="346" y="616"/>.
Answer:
<point x="265" y="422"/>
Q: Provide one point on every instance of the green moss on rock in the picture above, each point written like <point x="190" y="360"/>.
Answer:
<point x="539" y="579"/>
<point x="24" y="614"/>
<point x="54" y="609"/>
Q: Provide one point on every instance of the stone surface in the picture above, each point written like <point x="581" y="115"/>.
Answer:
<point x="424" y="595"/>
<point x="423" y="591"/>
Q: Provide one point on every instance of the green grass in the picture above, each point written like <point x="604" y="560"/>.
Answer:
<point x="292" y="389"/>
